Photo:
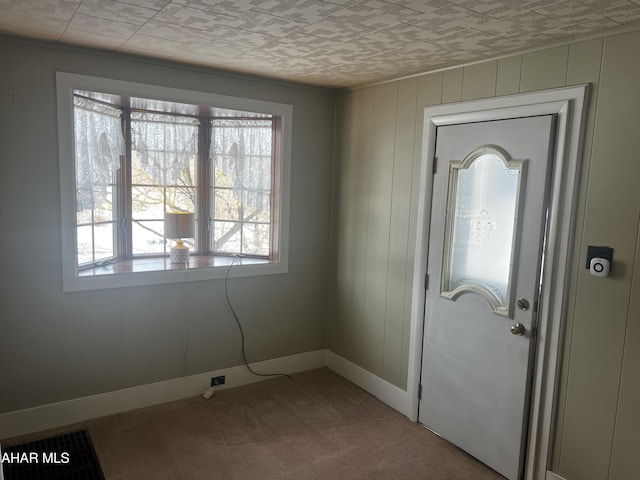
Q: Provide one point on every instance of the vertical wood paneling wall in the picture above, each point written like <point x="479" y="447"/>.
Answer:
<point x="378" y="151"/>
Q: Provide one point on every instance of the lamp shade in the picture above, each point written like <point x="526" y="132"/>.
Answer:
<point x="178" y="225"/>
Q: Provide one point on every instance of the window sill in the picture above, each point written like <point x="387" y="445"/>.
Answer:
<point x="160" y="270"/>
<point x="163" y="264"/>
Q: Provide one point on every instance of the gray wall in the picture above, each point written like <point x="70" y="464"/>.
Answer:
<point x="379" y="137"/>
<point x="56" y="346"/>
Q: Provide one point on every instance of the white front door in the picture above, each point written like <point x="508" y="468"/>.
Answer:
<point x="488" y="219"/>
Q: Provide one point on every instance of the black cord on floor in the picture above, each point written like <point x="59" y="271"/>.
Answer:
<point x="235" y="317"/>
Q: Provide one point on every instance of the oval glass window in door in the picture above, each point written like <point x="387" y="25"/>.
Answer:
<point x="481" y="229"/>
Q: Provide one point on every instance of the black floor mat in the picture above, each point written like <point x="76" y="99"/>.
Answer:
<point x="69" y="456"/>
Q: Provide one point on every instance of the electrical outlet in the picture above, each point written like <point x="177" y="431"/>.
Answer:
<point x="217" y="380"/>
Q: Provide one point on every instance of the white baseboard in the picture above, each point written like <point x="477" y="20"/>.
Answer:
<point x="553" y="476"/>
<point x="54" y="415"/>
<point x="393" y="396"/>
<point x="30" y="420"/>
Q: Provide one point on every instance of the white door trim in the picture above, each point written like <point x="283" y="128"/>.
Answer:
<point x="569" y="106"/>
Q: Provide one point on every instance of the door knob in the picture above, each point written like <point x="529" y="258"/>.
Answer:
<point x="518" y="329"/>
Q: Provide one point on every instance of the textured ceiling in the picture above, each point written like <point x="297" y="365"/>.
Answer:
<point x="323" y="42"/>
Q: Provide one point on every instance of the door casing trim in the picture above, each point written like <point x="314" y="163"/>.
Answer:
<point x="569" y="106"/>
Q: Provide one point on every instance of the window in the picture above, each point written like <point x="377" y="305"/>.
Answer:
<point x="163" y="169"/>
<point x="241" y="150"/>
<point x="129" y="153"/>
<point x="99" y="144"/>
<point x="481" y="226"/>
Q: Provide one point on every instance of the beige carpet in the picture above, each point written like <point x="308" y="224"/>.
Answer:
<point x="316" y="426"/>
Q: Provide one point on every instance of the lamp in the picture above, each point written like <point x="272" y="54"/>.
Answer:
<point x="179" y="225"/>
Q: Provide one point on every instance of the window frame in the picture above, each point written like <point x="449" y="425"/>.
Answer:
<point x="217" y="267"/>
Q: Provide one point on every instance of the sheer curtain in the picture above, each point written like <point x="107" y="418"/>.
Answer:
<point x="165" y="144"/>
<point x="242" y="149"/>
<point x="99" y="143"/>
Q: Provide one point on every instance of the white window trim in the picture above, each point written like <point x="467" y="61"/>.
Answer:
<point x="66" y="83"/>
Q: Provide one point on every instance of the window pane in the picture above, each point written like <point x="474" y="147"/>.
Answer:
<point x="227" y="237"/>
<point x="255" y="239"/>
<point x="165" y="147"/>
<point x="257" y="206"/>
<point x="85" y="244"/>
<point x="103" y="240"/>
<point x="148" y="237"/>
<point x="167" y="172"/>
<point x="222" y="178"/>
<point x="84" y="203"/>
<point x="138" y="173"/>
<point x="164" y="155"/>
<point x="104" y="208"/>
<point x="224" y="205"/>
<point x="241" y="152"/>
<point x="486" y="196"/>
<point x="180" y="199"/>
<point x="84" y="216"/>
<point x="99" y="144"/>
<point x="147" y="203"/>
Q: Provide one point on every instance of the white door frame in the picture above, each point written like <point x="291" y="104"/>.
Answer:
<point x="569" y="106"/>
